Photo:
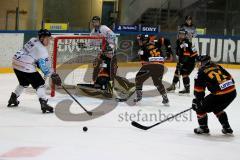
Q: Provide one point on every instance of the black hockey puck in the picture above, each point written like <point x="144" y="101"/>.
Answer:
<point x="85" y="129"/>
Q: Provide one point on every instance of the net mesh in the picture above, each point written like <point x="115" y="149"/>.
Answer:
<point x="72" y="58"/>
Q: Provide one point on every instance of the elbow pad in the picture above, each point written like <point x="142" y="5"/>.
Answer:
<point x="44" y="66"/>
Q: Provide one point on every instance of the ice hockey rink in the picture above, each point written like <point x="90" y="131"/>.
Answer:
<point x="27" y="134"/>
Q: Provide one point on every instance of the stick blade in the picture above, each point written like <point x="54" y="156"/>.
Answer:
<point x="90" y="113"/>
<point x="137" y="125"/>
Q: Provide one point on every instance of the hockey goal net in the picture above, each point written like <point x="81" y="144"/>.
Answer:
<point x="73" y="56"/>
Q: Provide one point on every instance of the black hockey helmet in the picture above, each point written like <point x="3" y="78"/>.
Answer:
<point x="96" y="18"/>
<point x="44" y="32"/>
<point x="144" y="37"/>
<point x="204" y="59"/>
<point x="188" y="18"/>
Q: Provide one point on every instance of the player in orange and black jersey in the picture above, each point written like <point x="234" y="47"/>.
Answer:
<point x="186" y="62"/>
<point x="152" y="66"/>
<point x="222" y="92"/>
<point x="163" y="43"/>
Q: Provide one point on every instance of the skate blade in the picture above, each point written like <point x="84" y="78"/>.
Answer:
<point x="47" y="112"/>
<point x="12" y="106"/>
<point x="172" y="91"/>
<point x="228" y="134"/>
<point x="166" y="104"/>
<point x="184" y="94"/>
<point x="202" y="134"/>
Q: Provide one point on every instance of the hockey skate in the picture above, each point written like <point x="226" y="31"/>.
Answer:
<point x="165" y="100"/>
<point x="138" y="97"/>
<point x="186" y="90"/>
<point x="13" y="102"/>
<point x="201" y="130"/>
<point x="227" y="130"/>
<point x="171" y="88"/>
<point x="45" y="107"/>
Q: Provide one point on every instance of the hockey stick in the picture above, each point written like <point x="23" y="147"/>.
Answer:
<point x="179" y="82"/>
<point x="179" y="77"/>
<point x="137" y="125"/>
<point x="88" y="112"/>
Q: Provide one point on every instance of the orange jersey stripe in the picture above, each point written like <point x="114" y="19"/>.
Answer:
<point x="225" y="91"/>
<point x="186" y="53"/>
<point x="195" y="53"/>
<point x="103" y="73"/>
<point x="199" y="89"/>
<point x="145" y="63"/>
<point x="201" y="115"/>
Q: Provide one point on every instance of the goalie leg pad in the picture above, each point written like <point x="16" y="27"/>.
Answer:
<point x="96" y="64"/>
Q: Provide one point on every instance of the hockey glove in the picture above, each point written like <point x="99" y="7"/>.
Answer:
<point x="179" y="66"/>
<point x="196" y="105"/>
<point x="56" y="79"/>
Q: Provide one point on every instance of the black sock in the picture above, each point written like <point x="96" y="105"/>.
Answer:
<point x="223" y="119"/>
<point x="186" y="81"/>
<point x="202" y="120"/>
<point x="175" y="79"/>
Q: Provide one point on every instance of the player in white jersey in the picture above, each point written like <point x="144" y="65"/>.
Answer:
<point x="107" y="61"/>
<point x="103" y="30"/>
<point x="25" y="62"/>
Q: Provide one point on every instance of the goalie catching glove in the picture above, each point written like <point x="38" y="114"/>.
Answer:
<point x="56" y="79"/>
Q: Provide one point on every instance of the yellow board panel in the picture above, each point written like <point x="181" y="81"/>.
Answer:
<point x="56" y="26"/>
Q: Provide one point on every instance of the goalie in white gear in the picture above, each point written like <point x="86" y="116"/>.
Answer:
<point x="33" y="55"/>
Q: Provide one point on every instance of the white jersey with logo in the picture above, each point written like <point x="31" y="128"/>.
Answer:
<point x="33" y="54"/>
<point x="107" y="33"/>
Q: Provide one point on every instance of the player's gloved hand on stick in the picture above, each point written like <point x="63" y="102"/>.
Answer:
<point x="56" y="79"/>
<point x="196" y="105"/>
<point x="179" y="66"/>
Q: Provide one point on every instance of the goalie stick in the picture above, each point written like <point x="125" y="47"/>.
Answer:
<point x="88" y="112"/>
<point x="137" y="125"/>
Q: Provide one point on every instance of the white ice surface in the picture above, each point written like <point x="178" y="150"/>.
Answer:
<point x="109" y="138"/>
